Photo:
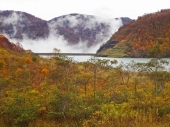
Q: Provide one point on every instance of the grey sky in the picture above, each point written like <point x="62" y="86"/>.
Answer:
<point x="48" y="9"/>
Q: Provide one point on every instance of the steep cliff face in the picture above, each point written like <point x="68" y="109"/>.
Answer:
<point x="148" y="36"/>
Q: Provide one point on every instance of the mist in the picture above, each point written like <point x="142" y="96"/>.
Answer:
<point x="47" y="45"/>
<point x="55" y="40"/>
<point x="12" y="19"/>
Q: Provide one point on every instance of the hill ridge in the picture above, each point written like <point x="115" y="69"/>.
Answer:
<point x="148" y="36"/>
<point x="20" y="25"/>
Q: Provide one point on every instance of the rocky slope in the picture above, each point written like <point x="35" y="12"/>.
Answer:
<point x="148" y="36"/>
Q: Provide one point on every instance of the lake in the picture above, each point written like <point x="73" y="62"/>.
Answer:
<point x="124" y="60"/>
<point x="119" y="60"/>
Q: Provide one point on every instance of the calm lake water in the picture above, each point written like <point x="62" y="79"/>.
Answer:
<point x="124" y="60"/>
<point x="119" y="60"/>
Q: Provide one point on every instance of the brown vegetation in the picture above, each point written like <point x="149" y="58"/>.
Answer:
<point x="60" y="92"/>
<point x="6" y="44"/>
<point x="148" y="36"/>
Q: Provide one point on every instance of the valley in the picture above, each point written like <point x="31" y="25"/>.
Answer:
<point x="77" y="32"/>
<point x="59" y="91"/>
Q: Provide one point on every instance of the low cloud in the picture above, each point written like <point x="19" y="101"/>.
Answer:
<point x="89" y="23"/>
<point x="12" y="19"/>
<point x="55" y="40"/>
<point x="114" y="25"/>
<point x="47" y="45"/>
<point x="71" y="21"/>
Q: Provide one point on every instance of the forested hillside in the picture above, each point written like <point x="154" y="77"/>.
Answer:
<point x="148" y="36"/>
<point x="5" y="43"/>
<point x="59" y="92"/>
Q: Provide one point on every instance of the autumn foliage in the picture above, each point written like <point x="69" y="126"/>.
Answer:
<point x="60" y="92"/>
<point x="148" y="36"/>
<point x="5" y="43"/>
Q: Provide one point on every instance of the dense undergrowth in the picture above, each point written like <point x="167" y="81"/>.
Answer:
<point x="59" y="92"/>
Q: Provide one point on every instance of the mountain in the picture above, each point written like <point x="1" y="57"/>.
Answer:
<point x="125" y="20"/>
<point x="18" y="25"/>
<point x="85" y="28"/>
<point x="148" y="36"/>
<point x="74" y="28"/>
<point x="6" y="44"/>
<point x="78" y="27"/>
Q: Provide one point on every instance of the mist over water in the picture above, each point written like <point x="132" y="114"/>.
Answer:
<point x="47" y="45"/>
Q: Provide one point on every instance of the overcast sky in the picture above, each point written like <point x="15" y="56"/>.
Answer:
<point x="48" y="9"/>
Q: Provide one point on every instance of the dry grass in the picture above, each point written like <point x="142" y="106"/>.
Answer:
<point x="116" y="51"/>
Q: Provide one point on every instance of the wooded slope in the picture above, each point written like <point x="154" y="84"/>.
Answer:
<point x="148" y="36"/>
